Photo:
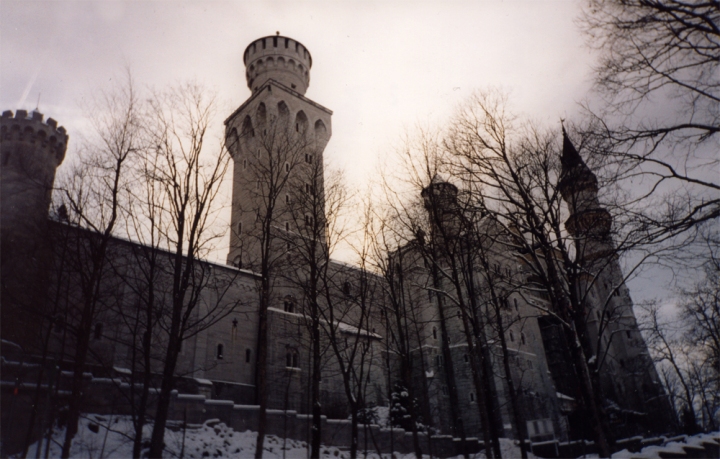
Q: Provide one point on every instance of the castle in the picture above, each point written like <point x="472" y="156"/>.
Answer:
<point x="277" y="138"/>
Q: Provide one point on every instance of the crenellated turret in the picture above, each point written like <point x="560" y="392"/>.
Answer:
<point x="278" y="58"/>
<point x="30" y="152"/>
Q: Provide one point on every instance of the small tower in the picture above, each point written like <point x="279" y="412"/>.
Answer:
<point x="440" y="201"/>
<point x="277" y="138"/>
<point x="589" y="224"/>
<point x="30" y="152"/>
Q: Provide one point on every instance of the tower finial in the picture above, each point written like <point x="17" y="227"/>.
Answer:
<point x="277" y="33"/>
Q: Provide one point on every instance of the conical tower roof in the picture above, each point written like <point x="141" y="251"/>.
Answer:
<point x="575" y="174"/>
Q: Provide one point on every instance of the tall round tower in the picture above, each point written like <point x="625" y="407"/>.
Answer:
<point x="277" y="138"/>
<point x="30" y="152"/>
<point x="278" y="58"/>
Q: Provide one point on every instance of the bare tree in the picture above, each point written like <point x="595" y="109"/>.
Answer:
<point x="350" y="298"/>
<point x="399" y="315"/>
<point x="685" y="341"/>
<point x="273" y="158"/>
<point x="316" y="204"/>
<point x="94" y="192"/>
<point x="189" y="182"/>
<point x="519" y="191"/>
<point x="658" y="74"/>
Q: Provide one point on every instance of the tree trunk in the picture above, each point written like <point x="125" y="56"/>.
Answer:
<point x="458" y="424"/>
<point x="76" y="396"/>
<point x="316" y="404"/>
<point x="520" y="426"/>
<point x="261" y="370"/>
<point x="157" y="441"/>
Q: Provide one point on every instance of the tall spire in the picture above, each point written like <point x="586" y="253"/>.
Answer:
<point x="575" y="174"/>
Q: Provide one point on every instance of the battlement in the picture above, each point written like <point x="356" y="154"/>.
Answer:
<point x="30" y="128"/>
<point x="280" y="58"/>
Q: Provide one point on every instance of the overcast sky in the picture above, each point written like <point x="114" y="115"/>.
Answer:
<point x="382" y="67"/>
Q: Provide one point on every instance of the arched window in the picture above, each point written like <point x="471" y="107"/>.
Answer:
<point x="472" y="397"/>
<point x="240" y="228"/>
<point x="321" y="136"/>
<point x="466" y="358"/>
<point x="291" y="359"/>
<point x="283" y="116"/>
<point x="434" y="332"/>
<point x="287" y="226"/>
<point x="287" y="167"/>
<point x="301" y="122"/>
<point x="248" y="353"/>
<point x="512" y="337"/>
<point x="247" y="128"/>
<point x="232" y="139"/>
<point x="261" y="116"/>
<point x="522" y="337"/>
<point x="289" y="305"/>
<point x="98" y="331"/>
<point x="220" y="351"/>
<point x="516" y="304"/>
<point x="346" y="288"/>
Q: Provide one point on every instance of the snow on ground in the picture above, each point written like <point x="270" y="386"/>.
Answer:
<point x="653" y="452"/>
<point x="508" y="449"/>
<point x="110" y="438"/>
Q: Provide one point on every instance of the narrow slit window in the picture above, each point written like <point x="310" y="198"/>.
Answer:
<point x="98" y="331"/>
<point x="248" y="354"/>
<point x="220" y="351"/>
